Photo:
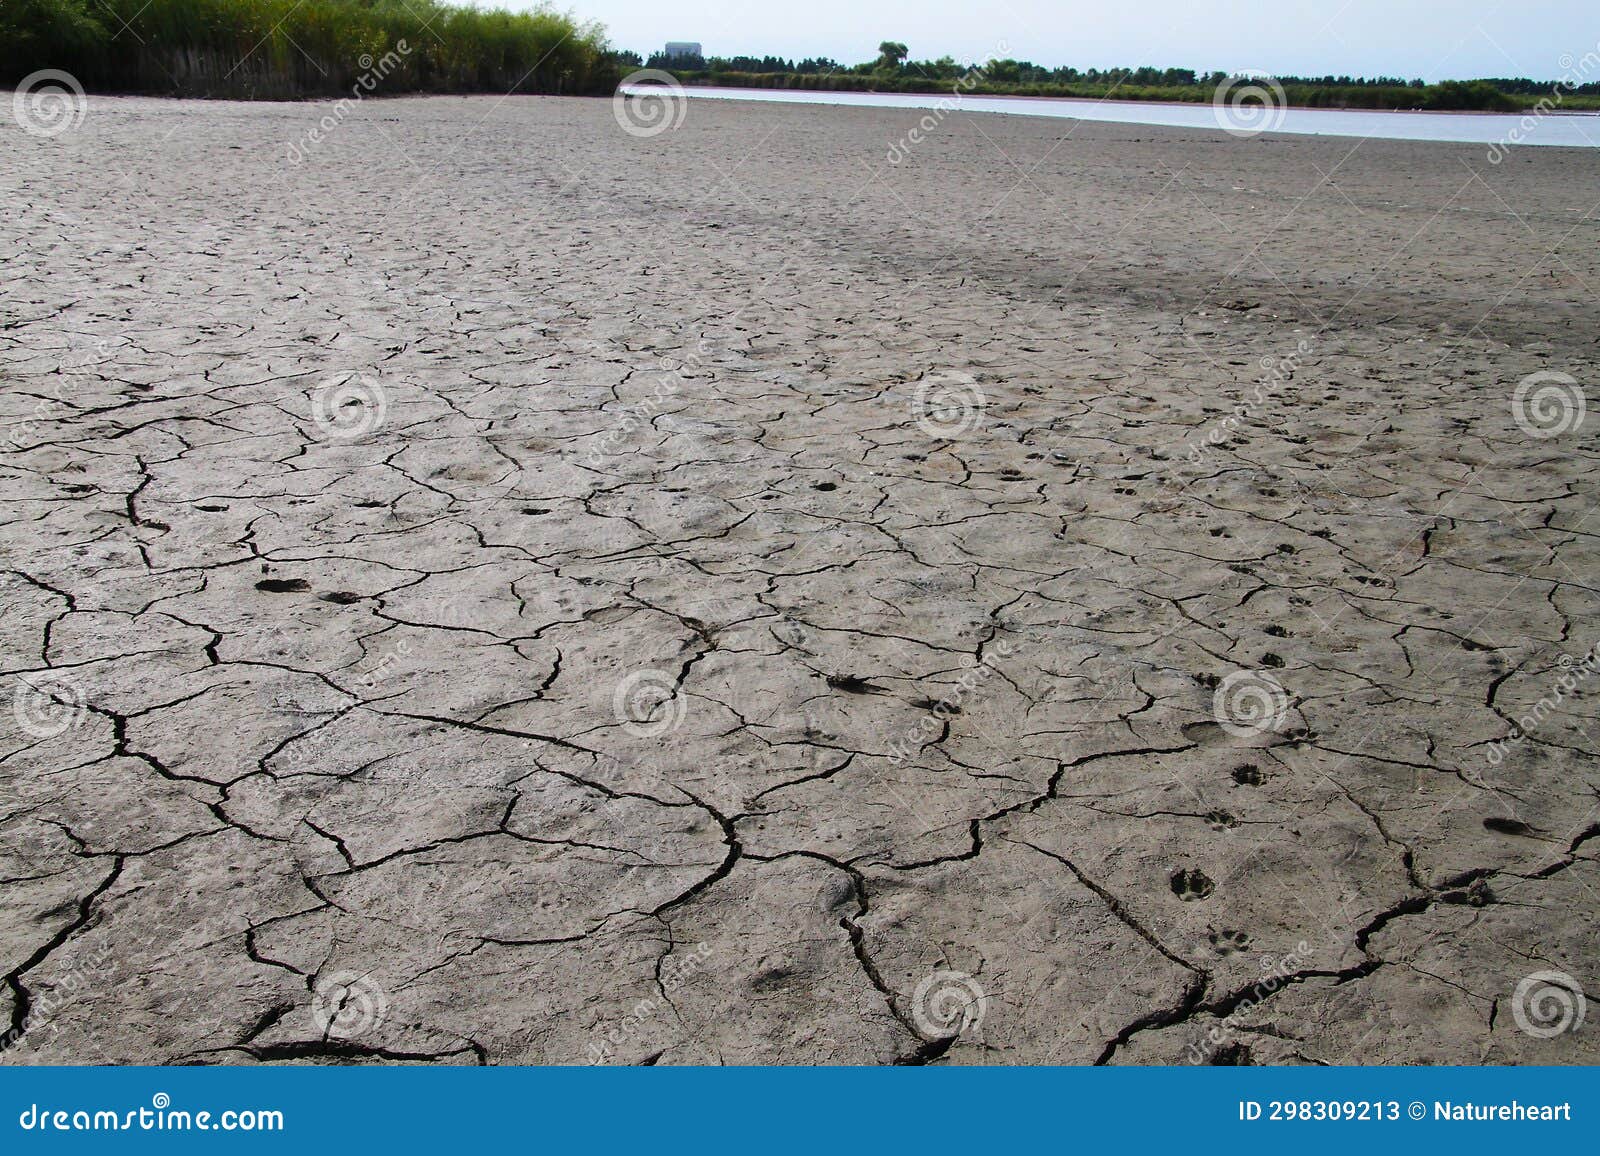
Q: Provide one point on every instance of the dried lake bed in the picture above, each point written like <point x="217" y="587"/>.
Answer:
<point x="490" y="581"/>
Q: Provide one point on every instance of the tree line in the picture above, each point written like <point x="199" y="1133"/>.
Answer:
<point x="892" y="71"/>
<point x="274" y="49"/>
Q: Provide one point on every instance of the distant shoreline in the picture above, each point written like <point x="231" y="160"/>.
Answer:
<point x="1173" y="103"/>
<point x="1480" y="96"/>
<point x="1499" y="132"/>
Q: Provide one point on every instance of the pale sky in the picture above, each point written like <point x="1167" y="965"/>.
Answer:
<point x="1433" y="39"/>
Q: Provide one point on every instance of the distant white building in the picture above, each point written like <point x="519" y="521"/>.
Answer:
<point x="683" y="48"/>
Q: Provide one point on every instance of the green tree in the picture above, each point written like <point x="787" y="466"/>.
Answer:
<point x="38" y="34"/>
<point x="890" y="54"/>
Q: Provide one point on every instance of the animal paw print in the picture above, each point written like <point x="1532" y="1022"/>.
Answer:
<point x="1226" y="943"/>
<point x="1191" y="883"/>
<point x="1248" y="775"/>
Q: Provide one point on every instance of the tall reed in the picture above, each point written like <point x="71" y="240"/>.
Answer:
<point x="281" y="49"/>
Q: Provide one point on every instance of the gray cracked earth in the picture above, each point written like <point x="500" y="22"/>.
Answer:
<point x="507" y="590"/>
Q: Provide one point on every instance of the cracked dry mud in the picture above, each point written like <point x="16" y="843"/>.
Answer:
<point x="350" y="716"/>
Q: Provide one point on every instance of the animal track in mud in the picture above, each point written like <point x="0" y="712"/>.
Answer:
<point x="850" y="684"/>
<point x="1191" y="883"/>
<point x="283" y="585"/>
<point x="1226" y="942"/>
<point x="1232" y="1055"/>
<point x="1205" y="732"/>
<point x="1221" y="821"/>
<point x="1248" y="775"/>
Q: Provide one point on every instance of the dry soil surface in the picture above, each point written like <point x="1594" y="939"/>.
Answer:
<point x="482" y="586"/>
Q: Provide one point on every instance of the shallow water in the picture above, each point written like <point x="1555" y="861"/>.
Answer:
<point x="1571" y="129"/>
